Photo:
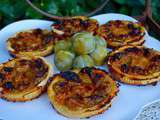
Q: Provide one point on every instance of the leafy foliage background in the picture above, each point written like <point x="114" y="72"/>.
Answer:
<point x="14" y="10"/>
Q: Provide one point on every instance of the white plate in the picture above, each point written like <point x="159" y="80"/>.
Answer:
<point x="125" y="106"/>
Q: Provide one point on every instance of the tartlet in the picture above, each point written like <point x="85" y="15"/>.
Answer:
<point x="135" y="65"/>
<point x="23" y="79"/>
<point x="33" y="42"/>
<point x="82" y="94"/>
<point x="118" y="33"/>
<point x="66" y="28"/>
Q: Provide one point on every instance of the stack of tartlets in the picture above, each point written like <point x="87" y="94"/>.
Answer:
<point x="34" y="42"/>
<point x="23" y="79"/>
<point x="136" y="65"/>
<point x="119" y="33"/>
<point x="67" y="28"/>
<point x="84" y="92"/>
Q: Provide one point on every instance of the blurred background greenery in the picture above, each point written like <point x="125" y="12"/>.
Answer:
<point x="14" y="10"/>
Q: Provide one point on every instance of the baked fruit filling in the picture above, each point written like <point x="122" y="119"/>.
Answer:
<point x="67" y="28"/>
<point x="90" y="89"/>
<point x="31" y="41"/>
<point x="22" y="74"/>
<point x="135" y="62"/>
<point x="118" y="33"/>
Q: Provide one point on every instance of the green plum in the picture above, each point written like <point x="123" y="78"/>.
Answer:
<point x="100" y="41"/>
<point x="64" y="60"/>
<point x="62" y="45"/>
<point x="83" y="61"/>
<point x="83" y="43"/>
<point x="99" y="55"/>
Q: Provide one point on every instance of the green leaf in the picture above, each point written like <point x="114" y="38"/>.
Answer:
<point x="137" y="11"/>
<point x="77" y="11"/>
<point x="132" y="3"/>
<point x="31" y="13"/>
<point x="50" y="6"/>
<point x="7" y="20"/>
<point x="6" y="8"/>
<point x="154" y="34"/>
<point x="70" y="5"/>
<point x="19" y="8"/>
<point x="0" y="18"/>
<point x="156" y="14"/>
<point x="155" y="10"/>
<point x="110" y="8"/>
<point x="135" y="3"/>
<point x="93" y="3"/>
<point x="125" y="10"/>
<point x="155" y="3"/>
<point x="142" y="2"/>
<point x="122" y="2"/>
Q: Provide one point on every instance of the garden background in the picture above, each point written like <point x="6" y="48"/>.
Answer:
<point x="14" y="10"/>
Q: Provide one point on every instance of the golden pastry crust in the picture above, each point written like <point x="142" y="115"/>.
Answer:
<point x="118" y="33"/>
<point x="24" y="79"/>
<point x="83" y="93"/>
<point x="136" y="65"/>
<point x="34" y="42"/>
<point x="66" y="28"/>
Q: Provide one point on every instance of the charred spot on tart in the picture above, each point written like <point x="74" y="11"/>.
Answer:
<point x="130" y="26"/>
<point x="135" y="31"/>
<point x="98" y="76"/>
<point x="62" y="84"/>
<point x="88" y="70"/>
<point x="42" y="72"/>
<point x="85" y="23"/>
<point x="138" y="70"/>
<point x="23" y="61"/>
<point x="124" y="68"/>
<point x="8" y="85"/>
<point x="110" y="35"/>
<point x="153" y="67"/>
<point x="2" y="77"/>
<point x="70" y="76"/>
<point x="118" y="23"/>
<point x="154" y="83"/>
<point x="156" y="58"/>
<point x="8" y="69"/>
<point x="117" y="56"/>
<point x="38" y="63"/>
<point x="94" y="97"/>
<point x="123" y="36"/>
<point x="48" y="39"/>
<point x="133" y="50"/>
<point x="59" y="25"/>
<point x="37" y="31"/>
<point x="146" y="52"/>
<point x="42" y="69"/>
<point x="58" y="22"/>
<point x="155" y="63"/>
